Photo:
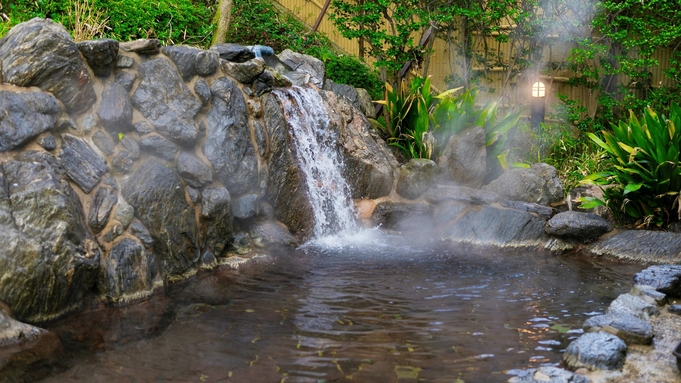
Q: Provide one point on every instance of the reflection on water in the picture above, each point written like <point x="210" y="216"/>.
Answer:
<point x="402" y="313"/>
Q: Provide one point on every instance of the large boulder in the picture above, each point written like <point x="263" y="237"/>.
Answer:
<point x="580" y="226"/>
<point x="126" y="272"/>
<point x="464" y="158"/>
<point x="228" y="144"/>
<point x="49" y="260"/>
<point x="166" y="102"/>
<point x="537" y="184"/>
<point x="156" y="193"/>
<point x="304" y="63"/>
<point x="640" y="245"/>
<point x="596" y="351"/>
<point x="417" y="176"/>
<point x="41" y="53"/>
<point x="369" y="164"/>
<point x="403" y="216"/>
<point x="24" y="116"/>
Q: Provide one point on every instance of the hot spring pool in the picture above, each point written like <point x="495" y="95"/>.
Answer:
<point x="385" y="313"/>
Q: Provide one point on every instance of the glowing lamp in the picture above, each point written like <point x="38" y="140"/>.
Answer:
<point x="538" y="89"/>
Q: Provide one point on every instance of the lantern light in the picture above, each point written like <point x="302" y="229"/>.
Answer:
<point x="538" y="89"/>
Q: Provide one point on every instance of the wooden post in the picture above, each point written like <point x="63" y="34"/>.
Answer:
<point x="321" y="16"/>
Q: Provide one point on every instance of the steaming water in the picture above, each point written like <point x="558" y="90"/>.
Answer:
<point x="317" y="150"/>
<point x="405" y="313"/>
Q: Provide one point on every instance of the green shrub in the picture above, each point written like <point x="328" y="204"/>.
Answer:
<point x="645" y="176"/>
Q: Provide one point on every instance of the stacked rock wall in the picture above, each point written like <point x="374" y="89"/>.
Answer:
<point x="124" y="166"/>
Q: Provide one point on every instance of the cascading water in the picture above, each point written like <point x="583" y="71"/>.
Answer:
<point x="318" y="154"/>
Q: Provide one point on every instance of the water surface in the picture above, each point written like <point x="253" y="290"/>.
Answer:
<point x="386" y="313"/>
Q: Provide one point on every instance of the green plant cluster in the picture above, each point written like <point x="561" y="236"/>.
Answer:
<point x="172" y="21"/>
<point x="644" y="178"/>
<point x="420" y="124"/>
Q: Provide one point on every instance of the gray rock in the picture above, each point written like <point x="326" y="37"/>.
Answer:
<point x="449" y="211"/>
<point x="100" y="208"/>
<point x="245" y="72"/>
<point x="126" y="272"/>
<point x="254" y="108"/>
<point x="48" y="142"/>
<point x="208" y="260"/>
<point x="441" y="193"/>
<point x="194" y="171"/>
<point x="228" y="144"/>
<point x="664" y="278"/>
<point x="538" y="184"/>
<point x="596" y="351"/>
<point x="266" y="211"/>
<point x="13" y="332"/>
<point x="629" y="328"/>
<point x="260" y="138"/>
<point x="159" y="147"/>
<point x="41" y="53"/>
<point x="184" y="58"/>
<point x="640" y="245"/>
<point x="194" y="194"/>
<point x="124" y="214"/>
<point x="233" y="52"/>
<point x="245" y="206"/>
<point x="544" y="212"/>
<point x="207" y="63"/>
<point x="140" y="231"/>
<point x="115" y="231"/>
<point x="82" y="164"/>
<point x="115" y="109"/>
<point x="202" y="90"/>
<point x="99" y="54"/>
<point x="494" y="226"/>
<point x="359" y="97"/>
<point x="88" y="123"/>
<point x="65" y="123"/>
<point x="111" y="181"/>
<point x="131" y="145"/>
<point x="25" y="116"/>
<point x="271" y="233"/>
<point x="241" y="244"/>
<point x="305" y="63"/>
<point x="123" y="162"/>
<point x="124" y="61"/>
<point x="403" y="216"/>
<point x="416" y="177"/>
<point x="216" y="211"/>
<point x="142" y="46"/>
<point x="143" y="127"/>
<point x="126" y="79"/>
<point x="156" y="193"/>
<point x="577" y="225"/>
<point x="547" y="374"/>
<point x="674" y="309"/>
<point x="263" y="83"/>
<point x="103" y="142"/>
<point x="365" y="103"/>
<point x="45" y="242"/>
<point x="166" y="102"/>
<point x="632" y="305"/>
<point x="464" y="158"/>
<point x="649" y="294"/>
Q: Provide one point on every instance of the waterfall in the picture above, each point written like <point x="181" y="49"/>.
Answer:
<point x="318" y="152"/>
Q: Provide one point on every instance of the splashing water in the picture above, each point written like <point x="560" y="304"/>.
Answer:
<point x="317" y="147"/>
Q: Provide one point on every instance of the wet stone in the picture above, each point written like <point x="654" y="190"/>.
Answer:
<point x="583" y="227"/>
<point x="103" y="142"/>
<point x="82" y="164"/>
<point x="254" y="107"/>
<point x="260" y="138"/>
<point x="649" y="294"/>
<point x="263" y="83"/>
<point x="674" y="309"/>
<point x="88" y="123"/>
<point x="241" y="244"/>
<point x="208" y="260"/>
<point x="207" y="62"/>
<point x="138" y="229"/>
<point x="664" y="278"/>
<point x="216" y="210"/>
<point x="115" y="109"/>
<point x="540" y="210"/>
<point x="66" y="123"/>
<point x="124" y="214"/>
<point x="99" y="54"/>
<point x="629" y="328"/>
<point x="111" y="181"/>
<point x="271" y="233"/>
<point x="100" y="209"/>
<point x="114" y="232"/>
<point x="126" y="272"/>
<point x="202" y="90"/>
<point x="194" y="171"/>
<point x="143" y="127"/>
<point x="124" y="61"/>
<point x="547" y="374"/>
<point x="48" y="142"/>
<point x="245" y="206"/>
<point x="126" y="79"/>
<point x="596" y="351"/>
<point x="632" y="305"/>
<point x="123" y="162"/>
<point x="159" y="147"/>
<point x="131" y="145"/>
<point x="233" y="52"/>
<point x="194" y="194"/>
<point x="142" y="46"/>
<point x="24" y="116"/>
<point x="184" y="58"/>
<point x="416" y="177"/>
<point x="246" y="72"/>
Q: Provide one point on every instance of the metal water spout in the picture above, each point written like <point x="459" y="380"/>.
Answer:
<point x="261" y="51"/>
